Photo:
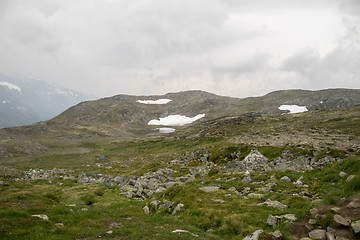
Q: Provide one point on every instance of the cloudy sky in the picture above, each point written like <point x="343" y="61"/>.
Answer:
<point x="229" y="47"/>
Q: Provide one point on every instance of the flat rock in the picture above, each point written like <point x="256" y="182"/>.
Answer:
<point x="277" y="234"/>
<point x="342" y="174"/>
<point x="351" y="177"/>
<point x="339" y="220"/>
<point x="254" y="236"/>
<point x="353" y="204"/>
<point x="275" y="204"/>
<point x="329" y="236"/>
<point x="209" y="188"/>
<point x="41" y="216"/>
<point x="317" y="234"/>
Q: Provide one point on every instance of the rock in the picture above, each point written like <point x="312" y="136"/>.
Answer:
<point x="184" y="231"/>
<point x="289" y="217"/>
<point x="254" y="236"/>
<point x="272" y="221"/>
<point x="247" y="178"/>
<point x="298" y="184"/>
<point x="340" y="221"/>
<point x="305" y="239"/>
<point x="272" y="178"/>
<point x="342" y="174"/>
<point x="285" y="179"/>
<point x="41" y="216"/>
<point x="84" y="209"/>
<point x="59" y="225"/>
<point x="256" y="195"/>
<point x="351" y="177"/>
<point x="178" y="208"/>
<point x="218" y="200"/>
<point x="353" y="204"/>
<point x="155" y="204"/>
<point x="209" y="188"/>
<point x="166" y="204"/>
<point x="146" y="209"/>
<point x="317" y="234"/>
<point x="329" y="236"/>
<point x="312" y="221"/>
<point x="277" y="234"/>
<point x="109" y="232"/>
<point x="336" y="209"/>
<point x="275" y="204"/>
<point x="356" y="226"/>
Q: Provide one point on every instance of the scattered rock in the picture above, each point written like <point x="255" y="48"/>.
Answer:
<point x="178" y="208"/>
<point x="254" y="236"/>
<point x="146" y="209"/>
<point x="356" y="226"/>
<point x="277" y="234"/>
<point x="317" y="234"/>
<point x="41" y="216"/>
<point x="329" y="236"/>
<point x="209" y="188"/>
<point x="275" y="204"/>
<point x="184" y="231"/>
<point x="351" y="177"/>
<point x="285" y="179"/>
<point x="155" y="204"/>
<point x="272" y="221"/>
<point x="340" y="221"/>
<point x="342" y="174"/>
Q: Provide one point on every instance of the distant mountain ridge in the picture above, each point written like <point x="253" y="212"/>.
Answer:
<point x="26" y="101"/>
<point x="124" y="113"/>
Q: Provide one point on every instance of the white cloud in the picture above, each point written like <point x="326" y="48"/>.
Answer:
<point x="236" y="48"/>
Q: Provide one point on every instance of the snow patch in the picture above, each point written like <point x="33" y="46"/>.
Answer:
<point x="11" y="86"/>
<point x="159" y="101"/>
<point x="175" y="120"/>
<point x="293" y="108"/>
<point x="166" y="130"/>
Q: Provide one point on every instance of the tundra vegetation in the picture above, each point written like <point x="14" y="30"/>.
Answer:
<point x="222" y="178"/>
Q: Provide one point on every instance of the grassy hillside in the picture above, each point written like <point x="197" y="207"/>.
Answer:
<point x="193" y="157"/>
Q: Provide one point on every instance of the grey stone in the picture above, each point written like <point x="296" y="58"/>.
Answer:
<point x="340" y="221"/>
<point x="312" y="221"/>
<point x="155" y="204"/>
<point x="356" y="226"/>
<point x="166" y="204"/>
<point x="277" y="234"/>
<point x="329" y="236"/>
<point x="256" y="195"/>
<point x="275" y="204"/>
<point x="353" y="204"/>
<point x="209" y="188"/>
<point x="285" y="179"/>
<point x="342" y="174"/>
<point x="351" y="177"/>
<point x="317" y="234"/>
<point x="272" y="221"/>
<point x="289" y="217"/>
<point x="178" y="208"/>
<point x="59" y="224"/>
<point x="146" y="209"/>
<point x="41" y="216"/>
<point x="254" y="236"/>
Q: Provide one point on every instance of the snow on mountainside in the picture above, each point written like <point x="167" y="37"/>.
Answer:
<point x="26" y="101"/>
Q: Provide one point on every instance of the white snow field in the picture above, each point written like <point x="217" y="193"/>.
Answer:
<point x="11" y="86"/>
<point x="293" y="108"/>
<point x="175" y="120"/>
<point x="159" y="101"/>
<point x="166" y="130"/>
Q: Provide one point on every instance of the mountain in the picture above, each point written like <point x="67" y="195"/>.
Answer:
<point x="100" y="170"/>
<point x="26" y="101"/>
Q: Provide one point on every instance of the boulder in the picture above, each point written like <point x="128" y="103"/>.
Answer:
<point x="272" y="221"/>
<point x="285" y="179"/>
<point x="275" y="204"/>
<point x="41" y="216"/>
<point x="342" y="174"/>
<point x="155" y="204"/>
<point x="209" y="188"/>
<point x="329" y="236"/>
<point x="178" y="208"/>
<point x="254" y="236"/>
<point x="340" y="221"/>
<point x="146" y="209"/>
<point x="317" y="234"/>
<point x="356" y="226"/>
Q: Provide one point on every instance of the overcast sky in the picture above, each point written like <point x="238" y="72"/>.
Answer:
<point x="231" y="47"/>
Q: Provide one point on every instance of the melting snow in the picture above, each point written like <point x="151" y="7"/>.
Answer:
<point x="159" y="101"/>
<point x="11" y="86"/>
<point x="175" y="120"/>
<point x="166" y="130"/>
<point x="293" y="108"/>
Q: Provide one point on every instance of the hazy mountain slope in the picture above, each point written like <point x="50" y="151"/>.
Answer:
<point x="25" y="101"/>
